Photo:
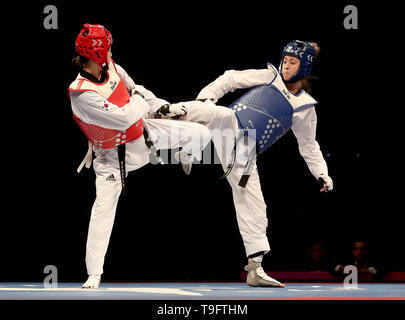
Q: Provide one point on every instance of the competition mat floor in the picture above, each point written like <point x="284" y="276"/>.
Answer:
<point x="202" y="291"/>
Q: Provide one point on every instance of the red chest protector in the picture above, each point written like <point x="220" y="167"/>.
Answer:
<point x="114" y="91"/>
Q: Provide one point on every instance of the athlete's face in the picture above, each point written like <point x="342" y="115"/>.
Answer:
<point x="290" y="66"/>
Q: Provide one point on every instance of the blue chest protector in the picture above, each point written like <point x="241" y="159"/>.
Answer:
<point x="269" y="110"/>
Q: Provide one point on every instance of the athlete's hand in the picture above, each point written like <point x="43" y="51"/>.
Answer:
<point x="177" y="109"/>
<point x="133" y="92"/>
<point x="326" y="181"/>
<point x="174" y="111"/>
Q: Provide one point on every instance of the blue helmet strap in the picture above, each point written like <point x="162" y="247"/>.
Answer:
<point x="305" y="52"/>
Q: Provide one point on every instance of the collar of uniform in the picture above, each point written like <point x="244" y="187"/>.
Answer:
<point x="92" y="78"/>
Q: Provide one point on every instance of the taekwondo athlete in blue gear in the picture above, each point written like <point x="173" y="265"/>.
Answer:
<point x="268" y="109"/>
<point x="275" y="104"/>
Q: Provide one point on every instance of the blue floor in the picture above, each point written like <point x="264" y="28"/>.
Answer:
<point x="199" y="291"/>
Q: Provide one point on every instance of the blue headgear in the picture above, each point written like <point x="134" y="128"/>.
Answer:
<point x="305" y="52"/>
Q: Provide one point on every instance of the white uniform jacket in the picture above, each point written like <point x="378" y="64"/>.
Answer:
<point x="304" y="122"/>
<point x="92" y="108"/>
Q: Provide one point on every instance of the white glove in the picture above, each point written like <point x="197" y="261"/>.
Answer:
<point x="175" y="110"/>
<point x="326" y="181"/>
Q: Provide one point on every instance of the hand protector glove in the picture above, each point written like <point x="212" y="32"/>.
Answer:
<point x="174" y="111"/>
<point x="133" y="91"/>
<point x="326" y="181"/>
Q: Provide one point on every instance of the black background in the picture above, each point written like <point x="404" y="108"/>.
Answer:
<point x="178" y="227"/>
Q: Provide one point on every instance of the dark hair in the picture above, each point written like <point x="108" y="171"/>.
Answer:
<point x="79" y="62"/>
<point x="307" y="81"/>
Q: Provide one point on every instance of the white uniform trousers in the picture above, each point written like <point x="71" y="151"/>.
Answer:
<point x="167" y="134"/>
<point x="249" y="202"/>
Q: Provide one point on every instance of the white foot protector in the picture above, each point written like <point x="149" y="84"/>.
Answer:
<point x="256" y="277"/>
<point x="185" y="159"/>
<point x="93" y="282"/>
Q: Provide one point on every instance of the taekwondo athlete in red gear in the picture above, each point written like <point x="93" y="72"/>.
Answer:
<point x="275" y="104"/>
<point x="113" y="112"/>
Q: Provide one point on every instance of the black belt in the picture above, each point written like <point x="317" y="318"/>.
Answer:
<point x="248" y="167"/>
<point x="232" y="163"/>
<point x="151" y="147"/>
<point x="121" y="158"/>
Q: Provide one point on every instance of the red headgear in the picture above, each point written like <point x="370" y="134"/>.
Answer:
<point x="93" y="42"/>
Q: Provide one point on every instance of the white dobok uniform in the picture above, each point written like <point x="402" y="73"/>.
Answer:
<point x="249" y="202"/>
<point x="94" y="110"/>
